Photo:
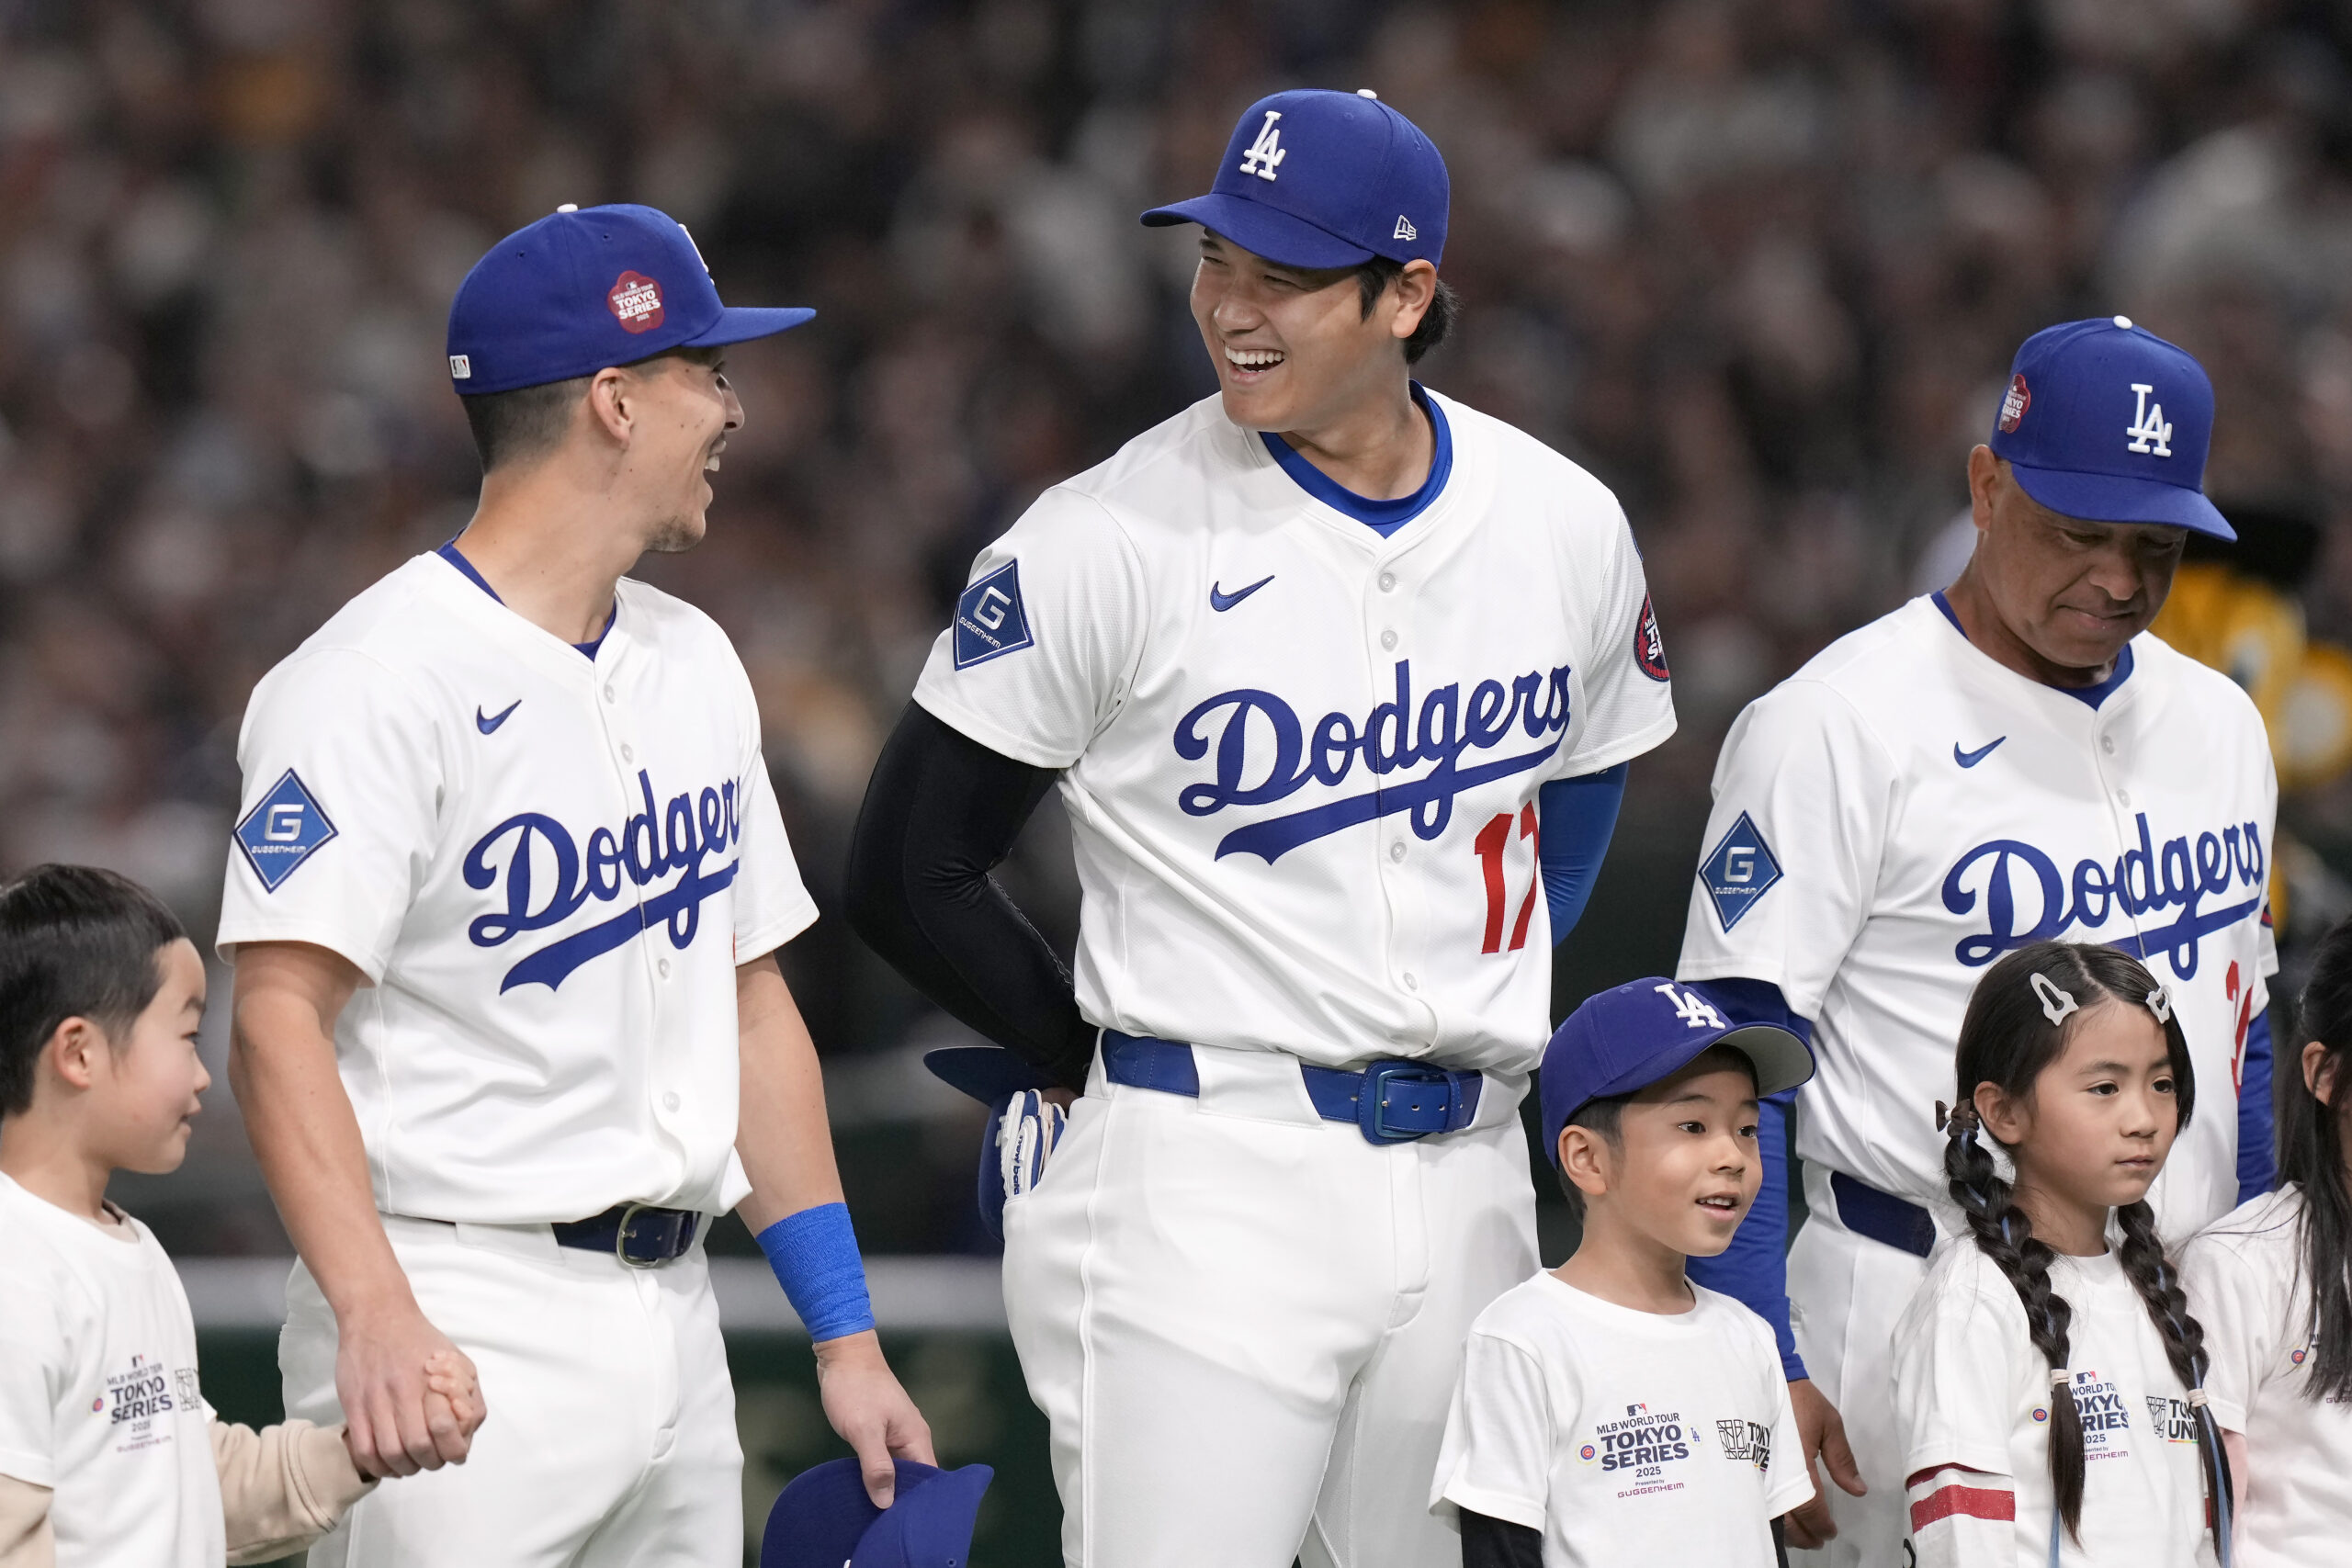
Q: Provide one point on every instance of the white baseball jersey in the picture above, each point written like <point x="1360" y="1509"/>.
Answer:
<point x="1970" y="1390"/>
<point x="546" y="867"/>
<point x="1623" y="1435"/>
<point x="1300" y="759"/>
<point x="1904" y="810"/>
<point x="98" y="1396"/>
<point x="2248" y="1289"/>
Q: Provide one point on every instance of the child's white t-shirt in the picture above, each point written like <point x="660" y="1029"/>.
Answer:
<point x="98" y="1397"/>
<point x="1623" y="1435"/>
<point x="1970" y="1388"/>
<point x="2246" y="1287"/>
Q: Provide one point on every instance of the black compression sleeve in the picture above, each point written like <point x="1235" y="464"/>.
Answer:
<point x="1490" y="1542"/>
<point x="940" y="812"/>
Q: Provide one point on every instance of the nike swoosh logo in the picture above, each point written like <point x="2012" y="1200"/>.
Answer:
<point x="489" y="725"/>
<point x="1970" y="759"/>
<point x="1221" y="601"/>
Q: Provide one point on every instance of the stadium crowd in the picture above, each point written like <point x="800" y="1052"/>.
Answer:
<point x="1760" y="263"/>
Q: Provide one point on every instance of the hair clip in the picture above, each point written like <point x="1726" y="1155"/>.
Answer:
<point x="2055" y="1004"/>
<point x="2160" y="1003"/>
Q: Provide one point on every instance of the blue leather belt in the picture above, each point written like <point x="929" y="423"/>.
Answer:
<point x="639" y="1234"/>
<point x="1881" y="1216"/>
<point x="1390" y="1101"/>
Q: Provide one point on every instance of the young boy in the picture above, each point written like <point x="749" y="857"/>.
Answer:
<point x="1611" y="1412"/>
<point x="108" y="1454"/>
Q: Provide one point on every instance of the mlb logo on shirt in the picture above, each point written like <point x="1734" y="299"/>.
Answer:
<point x="990" y="620"/>
<point x="286" y="826"/>
<point x="1739" y="871"/>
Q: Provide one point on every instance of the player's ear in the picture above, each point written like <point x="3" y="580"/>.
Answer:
<point x="612" y="402"/>
<point x="2316" y="1075"/>
<point x="1411" y="292"/>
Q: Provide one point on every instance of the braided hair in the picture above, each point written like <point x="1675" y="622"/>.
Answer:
<point x="2015" y="1027"/>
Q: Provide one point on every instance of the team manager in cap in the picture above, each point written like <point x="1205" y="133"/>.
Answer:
<point x="2009" y="760"/>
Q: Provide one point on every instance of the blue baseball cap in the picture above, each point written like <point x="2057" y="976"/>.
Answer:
<point x="586" y="288"/>
<point x="824" y="1519"/>
<point x="1313" y="178"/>
<point x="1622" y="1041"/>
<point x="2107" y="422"/>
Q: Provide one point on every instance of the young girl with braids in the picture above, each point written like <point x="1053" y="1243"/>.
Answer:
<point x="2273" y="1284"/>
<point x="2047" y="1376"/>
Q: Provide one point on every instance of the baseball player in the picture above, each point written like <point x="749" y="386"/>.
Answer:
<point x="2002" y="763"/>
<point x="1315" y="665"/>
<point x="503" y="903"/>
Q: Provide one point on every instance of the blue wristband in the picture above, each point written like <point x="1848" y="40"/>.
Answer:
<point x="814" y="1254"/>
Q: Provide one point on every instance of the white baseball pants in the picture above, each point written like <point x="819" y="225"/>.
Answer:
<point x="1846" y="1293"/>
<point x="1243" y="1323"/>
<point x="611" y="1437"/>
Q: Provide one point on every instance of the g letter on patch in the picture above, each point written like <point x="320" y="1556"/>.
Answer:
<point x="283" y="830"/>
<point x="1737" y="871"/>
<point x="990" y="619"/>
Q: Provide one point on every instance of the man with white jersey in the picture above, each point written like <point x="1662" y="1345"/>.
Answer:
<point x="2002" y="763"/>
<point x="1318" y="665"/>
<point x="510" y="860"/>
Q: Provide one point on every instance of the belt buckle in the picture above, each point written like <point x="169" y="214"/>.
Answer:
<point x="621" y="1239"/>
<point x="1371" y="1117"/>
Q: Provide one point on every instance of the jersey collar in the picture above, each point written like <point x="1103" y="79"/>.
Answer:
<point x="450" y="553"/>
<point x="1383" y="517"/>
<point x="2089" y="695"/>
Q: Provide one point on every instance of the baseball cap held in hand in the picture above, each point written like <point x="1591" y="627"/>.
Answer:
<point x="824" y="1519"/>
<point x="1622" y="1041"/>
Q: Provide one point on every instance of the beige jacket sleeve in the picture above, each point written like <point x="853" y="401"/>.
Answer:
<point x="282" y="1487"/>
<point x="25" y="1540"/>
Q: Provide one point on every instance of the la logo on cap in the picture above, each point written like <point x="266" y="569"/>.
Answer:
<point x="635" y="302"/>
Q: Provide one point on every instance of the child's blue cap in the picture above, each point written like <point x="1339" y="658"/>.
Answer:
<point x="1622" y="1041"/>
<point x="1313" y="178"/>
<point x="2107" y="422"/>
<point x="824" y="1519"/>
<point x="587" y="287"/>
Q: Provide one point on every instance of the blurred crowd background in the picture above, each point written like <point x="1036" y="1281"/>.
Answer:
<point x="1758" y="264"/>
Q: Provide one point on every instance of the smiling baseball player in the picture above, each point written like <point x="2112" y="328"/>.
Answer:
<point x="2003" y="762"/>
<point x="511" y="861"/>
<point x="1324" y="667"/>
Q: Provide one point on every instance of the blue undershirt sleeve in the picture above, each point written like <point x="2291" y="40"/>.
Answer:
<point x="2258" y="1148"/>
<point x="1575" y="818"/>
<point x="1754" y="1268"/>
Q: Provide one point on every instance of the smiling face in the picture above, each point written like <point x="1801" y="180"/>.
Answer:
<point x="1294" y="349"/>
<point x="1684" y="1166"/>
<point x="144" y="1086"/>
<point x="680" y="409"/>
<point x="2096" y="1127"/>
<point x="2071" y="592"/>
